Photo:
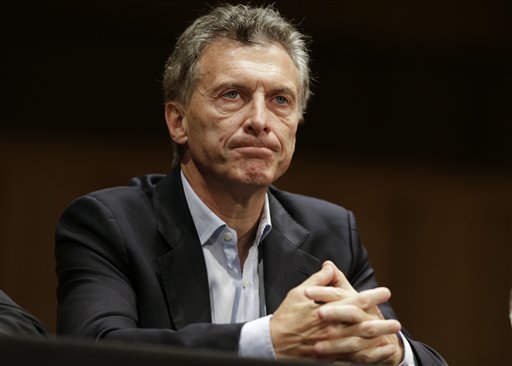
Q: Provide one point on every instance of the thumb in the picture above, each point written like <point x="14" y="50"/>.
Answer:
<point x="321" y="278"/>
<point x="339" y="279"/>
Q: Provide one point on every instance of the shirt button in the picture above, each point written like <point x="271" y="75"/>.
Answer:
<point x="246" y="283"/>
<point x="228" y="236"/>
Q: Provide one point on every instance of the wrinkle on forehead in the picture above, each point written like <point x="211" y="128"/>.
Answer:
<point x="224" y="58"/>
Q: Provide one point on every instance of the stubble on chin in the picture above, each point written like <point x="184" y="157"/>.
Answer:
<point x="253" y="173"/>
<point x="258" y="173"/>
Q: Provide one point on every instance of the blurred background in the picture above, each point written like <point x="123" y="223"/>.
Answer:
<point x="410" y="128"/>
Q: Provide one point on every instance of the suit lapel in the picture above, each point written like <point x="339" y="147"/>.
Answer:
<point x="182" y="270"/>
<point x="285" y="265"/>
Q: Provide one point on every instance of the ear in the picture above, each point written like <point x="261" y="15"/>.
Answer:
<point x="176" y="122"/>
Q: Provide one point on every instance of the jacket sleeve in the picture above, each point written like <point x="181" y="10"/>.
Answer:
<point x="99" y="284"/>
<point x="16" y="321"/>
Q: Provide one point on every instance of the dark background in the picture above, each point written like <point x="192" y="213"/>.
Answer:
<point x="410" y="127"/>
<point x="396" y="80"/>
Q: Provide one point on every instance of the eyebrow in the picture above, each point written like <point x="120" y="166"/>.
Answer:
<point x="227" y="85"/>
<point x="284" y="90"/>
<point x="238" y="86"/>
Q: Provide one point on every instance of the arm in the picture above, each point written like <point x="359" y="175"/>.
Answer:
<point x="108" y="288"/>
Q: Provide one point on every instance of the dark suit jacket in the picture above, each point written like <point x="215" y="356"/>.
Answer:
<point x="130" y="265"/>
<point x="15" y="321"/>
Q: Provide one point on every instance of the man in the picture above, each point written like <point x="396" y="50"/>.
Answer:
<point x="15" y="321"/>
<point x="212" y="255"/>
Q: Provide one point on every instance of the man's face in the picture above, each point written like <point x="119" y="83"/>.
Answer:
<point x="239" y="126"/>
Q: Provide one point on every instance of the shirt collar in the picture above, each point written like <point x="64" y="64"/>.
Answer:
<point x="207" y="223"/>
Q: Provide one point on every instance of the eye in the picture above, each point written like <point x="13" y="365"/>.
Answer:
<point x="281" y="100"/>
<point x="232" y="94"/>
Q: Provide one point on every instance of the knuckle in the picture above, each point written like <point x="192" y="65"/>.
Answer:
<point x="364" y="302"/>
<point x="321" y="348"/>
<point x="319" y="315"/>
<point x="370" y="330"/>
<point x="338" y="292"/>
<point x="354" y="344"/>
<point x="330" y="331"/>
<point x="355" y="314"/>
<point x="363" y="358"/>
<point x="382" y="341"/>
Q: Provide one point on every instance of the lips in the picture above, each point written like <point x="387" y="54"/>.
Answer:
<point x="253" y="144"/>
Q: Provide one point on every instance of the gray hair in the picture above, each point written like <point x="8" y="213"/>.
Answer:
<point x="246" y="24"/>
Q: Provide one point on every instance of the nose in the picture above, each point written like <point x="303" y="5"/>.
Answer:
<point x="257" y="121"/>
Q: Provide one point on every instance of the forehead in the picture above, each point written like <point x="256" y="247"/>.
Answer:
<point x="263" y="64"/>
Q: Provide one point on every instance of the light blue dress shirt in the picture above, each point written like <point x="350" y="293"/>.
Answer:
<point x="236" y="295"/>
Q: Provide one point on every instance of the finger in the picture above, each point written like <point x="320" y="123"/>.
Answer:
<point x="344" y="346"/>
<point x="339" y="278"/>
<point x="343" y="313"/>
<point x="324" y="294"/>
<point x="375" y="328"/>
<point x="351" y="321"/>
<point x="320" y="278"/>
<point x="369" y="298"/>
<point x="374" y="355"/>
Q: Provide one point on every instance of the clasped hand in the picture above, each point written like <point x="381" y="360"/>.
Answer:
<point x="326" y="318"/>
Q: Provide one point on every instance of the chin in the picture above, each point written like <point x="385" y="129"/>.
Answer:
<point x="257" y="178"/>
<point x="259" y="181"/>
<point x="256" y="173"/>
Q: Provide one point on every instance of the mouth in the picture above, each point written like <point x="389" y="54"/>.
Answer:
<point x="254" y="146"/>
<point x="255" y="152"/>
<point x="254" y="149"/>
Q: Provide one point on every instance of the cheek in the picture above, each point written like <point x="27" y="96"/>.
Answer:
<point x="199" y="129"/>
<point x="213" y="136"/>
<point x="289" y="137"/>
<point x="225" y="129"/>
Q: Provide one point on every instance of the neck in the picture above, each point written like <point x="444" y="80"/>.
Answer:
<point x="239" y="206"/>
